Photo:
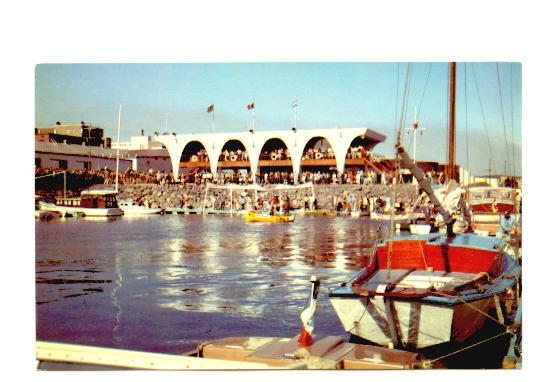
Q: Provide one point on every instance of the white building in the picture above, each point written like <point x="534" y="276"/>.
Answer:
<point x="138" y="143"/>
<point x="79" y="157"/>
<point x="253" y="142"/>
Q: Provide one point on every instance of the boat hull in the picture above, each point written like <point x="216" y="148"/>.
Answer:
<point x="73" y="211"/>
<point x="399" y="218"/>
<point x="128" y="211"/>
<point x="491" y="207"/>
<point x="406" y="323"/>
<point x="254" y="218"/>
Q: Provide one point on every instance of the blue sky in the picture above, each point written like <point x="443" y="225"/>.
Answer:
<point x="328" y="94"/>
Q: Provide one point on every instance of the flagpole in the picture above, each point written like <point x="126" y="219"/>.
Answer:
<point x="213" y="117"/>
<point x="295" y="114"/>
<point x="253" y="116"/>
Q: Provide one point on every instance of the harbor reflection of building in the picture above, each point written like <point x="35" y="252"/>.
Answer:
<point x="248" y="270"/>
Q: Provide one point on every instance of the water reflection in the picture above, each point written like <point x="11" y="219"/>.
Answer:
<point x="148" y="268"/>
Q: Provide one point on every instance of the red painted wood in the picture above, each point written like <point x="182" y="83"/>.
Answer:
<point x="488" y="208"/>
<point x="407" y="254"/>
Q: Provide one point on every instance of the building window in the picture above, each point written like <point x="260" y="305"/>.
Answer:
<point x="37" y="162"/>
<point x="62" y="164"/>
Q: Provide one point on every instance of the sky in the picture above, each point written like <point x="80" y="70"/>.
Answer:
<point x="328" y="95"/>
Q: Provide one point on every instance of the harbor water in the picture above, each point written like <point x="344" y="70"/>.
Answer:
<point x="166" y="283"/>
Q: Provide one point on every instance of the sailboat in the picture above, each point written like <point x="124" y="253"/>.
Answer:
<point x="420" y="291"/>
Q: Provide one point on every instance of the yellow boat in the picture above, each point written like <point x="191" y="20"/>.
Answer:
<point x="254" y="217"/>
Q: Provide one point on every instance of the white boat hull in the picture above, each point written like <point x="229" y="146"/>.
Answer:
<point x="401" y="218"/>
<point x="414" y="323"/>
<point x="420" y="229"/>
<point x="129" y="211"/>
<point x="99" y="212"/>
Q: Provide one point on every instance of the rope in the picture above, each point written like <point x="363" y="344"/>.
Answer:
<point x="397" y="87"/>
<point x="403" y="115"/>
<point x="424" y="90"/>
<point x="424" y="260"/>
<point x="466" y="126"/>
<point x="467" y="347"/>
<point x="512" y="116"/>
<point x="483" y="118"/>
<point x="472" y="307"/>
<point x="502" y="114"/>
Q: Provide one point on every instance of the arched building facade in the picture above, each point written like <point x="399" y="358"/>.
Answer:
<point x="193" y="151"/>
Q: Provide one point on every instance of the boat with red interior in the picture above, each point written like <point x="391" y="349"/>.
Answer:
<point x="425" y="290"/>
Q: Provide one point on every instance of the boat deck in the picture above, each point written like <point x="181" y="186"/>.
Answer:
<point x="415" y="281"/>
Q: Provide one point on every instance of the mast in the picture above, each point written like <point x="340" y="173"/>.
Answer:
<point x="451" y="172"/>
<point x="117" y="159"/>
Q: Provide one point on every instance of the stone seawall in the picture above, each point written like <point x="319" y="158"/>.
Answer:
<point x="174" y="195"/>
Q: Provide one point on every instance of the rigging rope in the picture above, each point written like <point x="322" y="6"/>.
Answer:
<point x="502" y="115"/>
<point x="466" y="348"/>
<point x="483" y="119"/>
<point x="512" y="116"/>
<point x="424" y="90"/>
<point x="471" y="306"/>
<point x="397" y="160"/>
<point x="397" y="87"/>
<point x="466" y="126"/>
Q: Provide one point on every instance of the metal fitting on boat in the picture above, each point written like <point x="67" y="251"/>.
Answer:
<point x="426" y="364"/>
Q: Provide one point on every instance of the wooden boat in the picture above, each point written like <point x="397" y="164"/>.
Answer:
<point x="488" y="204"/>
<point x="491" y="200"/>
<point x="425" y="290"/>
<point x="99" y="203"/>
<point x="252" y="216"/>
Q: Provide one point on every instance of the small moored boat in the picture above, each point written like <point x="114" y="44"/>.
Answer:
<point x="265" y="218"/>
<point x="129" y="208"/>
<point x="99" y="203"/>
<point x="320" y="213"/>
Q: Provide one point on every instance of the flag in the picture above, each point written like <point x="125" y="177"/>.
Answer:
<point x="307" y="317"/>
<point x="251" y="106"/>
<point x="210" y="109"/>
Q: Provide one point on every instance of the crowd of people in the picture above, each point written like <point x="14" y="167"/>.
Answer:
<point x="278" y="154"/>
<point x="357" y="152"/>
<point x="318" y="153"/>
<point x="234" y="155"/>
<point x="83" y="178"/>
<point x="87" y="177"/>
<point x="201" y="156"/>
<point x="281" y="154"/>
